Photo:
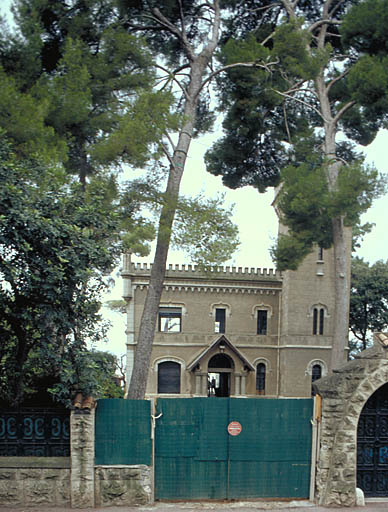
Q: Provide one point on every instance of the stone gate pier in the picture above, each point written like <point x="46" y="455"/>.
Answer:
<point x="344" y="395"/>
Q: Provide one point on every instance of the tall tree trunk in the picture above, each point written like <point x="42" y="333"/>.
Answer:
<point x="341" y="246"/>
<point x="139" y="378"/>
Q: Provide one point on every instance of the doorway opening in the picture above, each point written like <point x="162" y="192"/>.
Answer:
<point x="220" y="369"/>
<point x="372" y="445"/>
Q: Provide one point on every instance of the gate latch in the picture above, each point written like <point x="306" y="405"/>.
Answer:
<point x="154" y="418"/>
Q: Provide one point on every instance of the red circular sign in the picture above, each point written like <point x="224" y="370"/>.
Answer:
<point x="234" y="428"/>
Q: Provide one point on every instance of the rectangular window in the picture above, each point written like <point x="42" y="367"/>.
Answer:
<point x="220" y="317"/>
<point x="315" y="321"/>
<point x="321" y="320"/>
<point x="170" y="319"/>
<point x="262" y="322"/>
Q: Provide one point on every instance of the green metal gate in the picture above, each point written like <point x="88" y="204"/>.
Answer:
<point x="196" y="457"/>
<point x="123" y="432"/>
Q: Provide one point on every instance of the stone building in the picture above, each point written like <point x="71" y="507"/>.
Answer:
<point x="236" y="331"/>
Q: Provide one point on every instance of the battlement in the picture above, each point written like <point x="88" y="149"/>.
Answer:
<point x="193" y="271"/>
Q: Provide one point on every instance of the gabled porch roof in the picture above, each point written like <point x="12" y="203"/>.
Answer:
<point x="222" y="340"/>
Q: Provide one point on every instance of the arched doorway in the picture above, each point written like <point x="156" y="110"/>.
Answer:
<point x="220" y="368"/>
<point x="372" y="445"/>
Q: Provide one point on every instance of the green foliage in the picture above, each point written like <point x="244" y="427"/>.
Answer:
<point x="203" y="228"/>
<point x="119" y="306"/>
<point x="368" y="78"/>
<point x="291" y="45"/>
<point x="256" y="125"/>
<point x="89" y="64"/>
<point x="365" y="28"/>
<point x="289" y="251"/>
<point x="24" y="120"/>
<point x="252" y="151"/>
<point x="55" y="247"/>
<point x="368" y="300"/>
<point x="91" y="372"/>
<point x="246" y="50"/>
<point x="307" y="206"/>
<point x="93" y="78"/>
<point x="137" y="131"/>
<point x="358" y="233"/>
<point x="359" y="126"/>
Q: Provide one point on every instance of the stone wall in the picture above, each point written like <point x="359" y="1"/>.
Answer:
<point x="73" y="481"/>
<point x="344" y="396"/>
<point x="82" y="458"/>
<point x="34" y="481"/>
<point x="122" y="486"/>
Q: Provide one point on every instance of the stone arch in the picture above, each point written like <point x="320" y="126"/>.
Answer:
<point x="177" y="378"/>
<point x="221" y="360"/>
<point x="165" y="359"/>
<point x="322" y="364"/>
<point x="318" y="305"/>
<point x="263" y="360"/>
<point x="344" y="395"/>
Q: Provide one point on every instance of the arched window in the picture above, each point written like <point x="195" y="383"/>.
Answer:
<point x="318" y="320"/>
<point x="261" y="371"/>
<point x="169" y="377"/>
<point x="316" y="372"/>
<point x="316" y="369"/>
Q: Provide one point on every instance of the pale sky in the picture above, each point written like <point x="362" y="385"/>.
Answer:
<point x="255" y="217"/>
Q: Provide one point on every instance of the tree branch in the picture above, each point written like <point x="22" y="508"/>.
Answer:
<point x="344" y="109"/>
<point x="336" y="7"/>
<point x="319" y="23"/>
<point x="170" y="141"/>
<point x="172" y="77"/>
<point x="290" y="8"/>
<point x="286" y="123"/>
<point x="174" y="30"/>
<point x="285" y="95"/>
<point x="209" y="49"/>
<point x="335" y="80"/>
<point x="356" y="335"/>
<point x="167" y="153"/>
<point x="239" y="64"/>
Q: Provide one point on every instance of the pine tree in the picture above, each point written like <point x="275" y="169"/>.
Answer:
<point x="320" y="70"/>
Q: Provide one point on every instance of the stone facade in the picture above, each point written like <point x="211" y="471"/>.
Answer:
<point x="122" y="486"/>
<point x="344" y="395"/>
<point x="297" y="307"/>
<point x="35" y="481"/>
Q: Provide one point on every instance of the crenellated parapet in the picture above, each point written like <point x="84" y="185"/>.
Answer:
<point x="131" y="269"/>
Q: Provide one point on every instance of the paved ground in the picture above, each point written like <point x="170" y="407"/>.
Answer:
<point x="274" y="506"/>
